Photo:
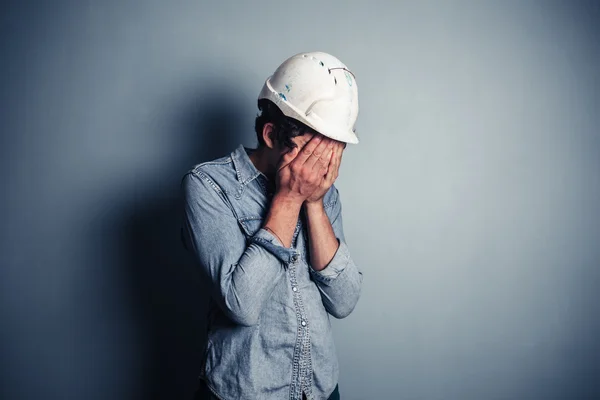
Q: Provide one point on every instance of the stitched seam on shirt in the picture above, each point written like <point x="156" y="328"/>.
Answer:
<point x="220" y="192"/>
<point x="245" y="219"/>
<point x="304" y="361"/>
<point x="332" y="202"/>
<point x="262" y="184"/>
<point x="253" y="177"/>
<point x="296" y="391"/>
<point x="308" y="360"/>
<point x="213" y="391"/>
<point x="196" y="169"/>
<point x="234" y="159"/>
<point x="261" y="240"/>
<point x="205" y="177"/>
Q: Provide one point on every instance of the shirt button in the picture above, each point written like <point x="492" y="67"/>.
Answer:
<point x="303" y="323"/>
<point x="295" y="258"/>
<point x="295" y="289"/>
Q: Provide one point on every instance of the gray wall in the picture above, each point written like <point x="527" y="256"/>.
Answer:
<point x="472" y="203"/>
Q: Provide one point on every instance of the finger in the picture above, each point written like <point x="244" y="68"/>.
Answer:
<point x="318" y="158"/>
<point x="341" y="148"/>
<point x="339" y="152"/>
<point x="334" y="166"/>
<point x="288" y="157"/>
<point x="324" y="163"/>
<point x="308" y="149"/>
<point x="338" y="161"/>
<point x="331" y="169"/>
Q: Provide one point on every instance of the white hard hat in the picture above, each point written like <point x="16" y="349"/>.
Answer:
<point x="318" y="90"/>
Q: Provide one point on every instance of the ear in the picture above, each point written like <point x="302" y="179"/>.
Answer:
<point x="268" y="136"/>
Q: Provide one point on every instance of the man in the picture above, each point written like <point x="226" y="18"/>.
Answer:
<point x="266" y="228"/>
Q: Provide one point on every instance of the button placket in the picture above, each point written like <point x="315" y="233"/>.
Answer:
<point x="302" y="363"/>
<point x="302" y="371"/>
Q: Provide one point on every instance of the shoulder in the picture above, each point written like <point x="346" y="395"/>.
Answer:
<point x="218" y="174"/>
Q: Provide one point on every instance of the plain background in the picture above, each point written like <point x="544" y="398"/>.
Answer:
<point x="472" y="203"/>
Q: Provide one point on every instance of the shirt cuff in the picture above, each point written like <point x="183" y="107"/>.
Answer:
<point x="336" y="266"/>
<point x="269" y="242"/>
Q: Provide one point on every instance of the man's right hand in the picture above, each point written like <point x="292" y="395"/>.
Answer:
<point x="302" y="171"/>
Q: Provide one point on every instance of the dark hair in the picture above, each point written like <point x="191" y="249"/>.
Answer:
<point x="284" y="128"/>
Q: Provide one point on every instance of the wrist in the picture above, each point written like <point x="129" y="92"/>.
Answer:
<point x="282" y="217"/>
<point x="288" y="200"/>
<point x="314" y="205"/>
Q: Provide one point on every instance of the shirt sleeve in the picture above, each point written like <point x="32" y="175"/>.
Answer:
<point x="242" y="273"/>
<point x="340" y="281"/>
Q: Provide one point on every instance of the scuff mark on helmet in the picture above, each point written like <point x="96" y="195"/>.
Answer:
<point x="348" y="78"/>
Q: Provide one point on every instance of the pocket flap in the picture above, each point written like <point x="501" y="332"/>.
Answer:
<point x="251" y="225"/>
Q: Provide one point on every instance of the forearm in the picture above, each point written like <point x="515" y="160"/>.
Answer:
<point x="332" y="268"/>
<point x="322" y="241"/>
<point x="283" y="217"/>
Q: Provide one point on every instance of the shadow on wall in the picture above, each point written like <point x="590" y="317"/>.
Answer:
<point x="167" y="293"/>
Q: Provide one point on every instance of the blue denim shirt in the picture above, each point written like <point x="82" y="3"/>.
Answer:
<point x="269" y="330"/>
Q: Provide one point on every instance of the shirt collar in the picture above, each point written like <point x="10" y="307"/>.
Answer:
<point x="244" y="167"/>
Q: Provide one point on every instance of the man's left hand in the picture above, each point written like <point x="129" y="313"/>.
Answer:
<point x="331" y="175"/>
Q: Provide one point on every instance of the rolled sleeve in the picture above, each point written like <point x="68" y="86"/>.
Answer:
<point x="270" y="243"/>
<point x="336" y="266"/>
